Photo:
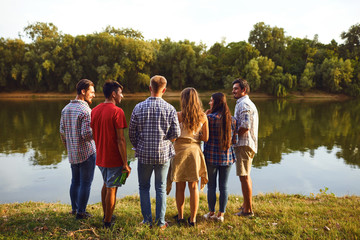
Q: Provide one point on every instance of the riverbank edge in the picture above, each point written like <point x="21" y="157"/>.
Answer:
<point x="277" y="216"/>
<point x="312" y="95"/>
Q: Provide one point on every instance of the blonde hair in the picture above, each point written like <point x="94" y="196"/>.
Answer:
<point x="157" y="83"/>
<point x="192" y="111"/>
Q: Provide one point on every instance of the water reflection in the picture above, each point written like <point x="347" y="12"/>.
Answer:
<point x="303" y="147"/>
<point x="285" y="127"/>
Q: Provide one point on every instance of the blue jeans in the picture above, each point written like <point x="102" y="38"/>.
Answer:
<point x="223" y="171"/>
<point x="82" y="177"/>
<point x="144" y="175"/>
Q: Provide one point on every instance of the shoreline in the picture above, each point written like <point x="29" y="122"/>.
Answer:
<point x="314" y="95"/>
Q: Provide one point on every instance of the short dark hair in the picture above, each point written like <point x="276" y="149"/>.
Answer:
<point x="110" y="86"/>
<point x="83" y="84"/>
<point x="242" y="83"/>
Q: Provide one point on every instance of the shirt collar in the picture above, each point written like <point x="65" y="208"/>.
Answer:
<point x="80" y="102"/>
<point x="242" y="98"/>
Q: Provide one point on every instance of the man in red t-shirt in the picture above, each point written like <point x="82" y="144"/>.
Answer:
<point x="108" y="123"/>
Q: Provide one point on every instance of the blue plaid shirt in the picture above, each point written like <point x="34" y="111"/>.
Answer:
<point x="213" y="153"/>
<point x="153" y="124"/>
<point x="75" y="131"/>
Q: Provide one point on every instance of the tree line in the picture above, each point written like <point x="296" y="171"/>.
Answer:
<point x="271" y="61"/>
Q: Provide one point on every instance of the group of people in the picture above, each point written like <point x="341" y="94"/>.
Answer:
<point x="166" y="142"/>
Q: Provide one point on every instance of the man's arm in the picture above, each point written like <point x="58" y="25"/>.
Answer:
<point x="86" y="131"/>
<point x="62" y="131"/>
<point x="133" y="130"/>
<point x="174" y="130"/>
<point x="121" y="143"/>
<point x="244" y="121"/>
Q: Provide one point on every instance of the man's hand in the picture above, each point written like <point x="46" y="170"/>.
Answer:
<point x="127" y="169"/>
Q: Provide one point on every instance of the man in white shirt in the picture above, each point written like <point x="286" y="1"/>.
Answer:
<point x="248" y="121"/>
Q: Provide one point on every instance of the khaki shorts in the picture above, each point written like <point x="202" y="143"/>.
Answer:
<point x="244" y="157"/>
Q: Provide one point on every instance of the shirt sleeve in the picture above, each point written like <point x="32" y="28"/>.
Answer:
<point x="62" y="130"/>
<point x="120" y="120"/>
<point x="245" y="117"/>
<point x="86" y="131"/>
<point x="133" y="128"/>
<point x="174" y="130"/>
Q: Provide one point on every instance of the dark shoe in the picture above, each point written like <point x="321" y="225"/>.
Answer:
<point x="244" y="214"/>
<point x="179" y="221"/>
<point x="108" y="224"/>
<point x="84" y="215"/>
<point x="72" y="212"/>
<point x="148" y="224"/>
<point x="113" y="217"/>
<point x="191" y="224"/>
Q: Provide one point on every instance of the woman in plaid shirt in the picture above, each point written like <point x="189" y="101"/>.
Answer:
<point x="218" y="152"/>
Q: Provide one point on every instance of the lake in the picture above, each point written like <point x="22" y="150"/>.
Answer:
<point x="304" y="146"/>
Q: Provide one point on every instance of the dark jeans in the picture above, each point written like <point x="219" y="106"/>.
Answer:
<point x="223" y="171"/>
<point x="82" y="177"/>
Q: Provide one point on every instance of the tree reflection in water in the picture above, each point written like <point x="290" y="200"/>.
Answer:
<point x="285" y="126"/>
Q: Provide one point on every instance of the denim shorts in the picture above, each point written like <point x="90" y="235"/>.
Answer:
<point x="111" y="176"/>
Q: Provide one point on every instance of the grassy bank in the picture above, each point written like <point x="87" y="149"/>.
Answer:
<point x="277" y="216"/>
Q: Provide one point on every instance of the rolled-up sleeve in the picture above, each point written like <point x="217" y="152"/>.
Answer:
<point x="245" y="117"/>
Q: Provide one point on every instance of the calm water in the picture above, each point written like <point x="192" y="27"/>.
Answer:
<point x="303" y="147"/>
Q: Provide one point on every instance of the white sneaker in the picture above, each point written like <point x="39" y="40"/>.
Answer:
<point x="209" y="216"/>
<point x="220" y="219"/>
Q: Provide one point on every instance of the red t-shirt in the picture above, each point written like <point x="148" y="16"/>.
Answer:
<point x="105" y="119"/>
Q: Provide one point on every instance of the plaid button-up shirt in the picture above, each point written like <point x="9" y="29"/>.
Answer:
<point x="213" y="153"/>
<point x="247" y="116"/>
<point x="153" y="124"/>
<point x="75" y="131"/>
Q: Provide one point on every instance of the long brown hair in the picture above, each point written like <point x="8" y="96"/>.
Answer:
<point x="220" y="106"/>
<point x="192" y="112"/>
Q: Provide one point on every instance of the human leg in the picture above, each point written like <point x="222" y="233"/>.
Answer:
<point x="74" y="186"/>
<point x="86" y="177"/>
<point x="224" y="172"/>
<point x="144" y="175"/>
<point x="180" y="198"/>
<point x="194" y="200"/>
<point x="161" y="171"/>
<point x="244" y="156"/>
<point x="110" y="201"/>
<point x="211" y="193"/>
<point x="246" y="185"/>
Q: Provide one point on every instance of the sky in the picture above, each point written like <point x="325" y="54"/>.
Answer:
<point x="206" y="21"/>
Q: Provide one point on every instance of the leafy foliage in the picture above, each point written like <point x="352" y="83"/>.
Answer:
<point x="271" y="61"/>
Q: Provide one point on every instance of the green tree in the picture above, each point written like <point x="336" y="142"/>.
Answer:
<point x="270" y="41"/>
<point x="351" y="47"/>
<point x="252" y="74"/>
<point x="307" y="77"/>
<point x="336" y="73"/>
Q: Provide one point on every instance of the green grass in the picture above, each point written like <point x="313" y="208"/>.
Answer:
<point x="277" y="216"/>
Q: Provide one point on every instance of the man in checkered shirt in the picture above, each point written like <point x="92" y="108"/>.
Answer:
<point x="153" y="126"/>
<point x="76" y="135"/>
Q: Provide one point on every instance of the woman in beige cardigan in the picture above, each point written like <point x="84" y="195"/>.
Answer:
<point x="189" y="165"/>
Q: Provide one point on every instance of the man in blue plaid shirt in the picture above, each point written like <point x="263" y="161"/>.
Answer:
<point x="76" y="135"/>
<point x="153" y="126"/>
